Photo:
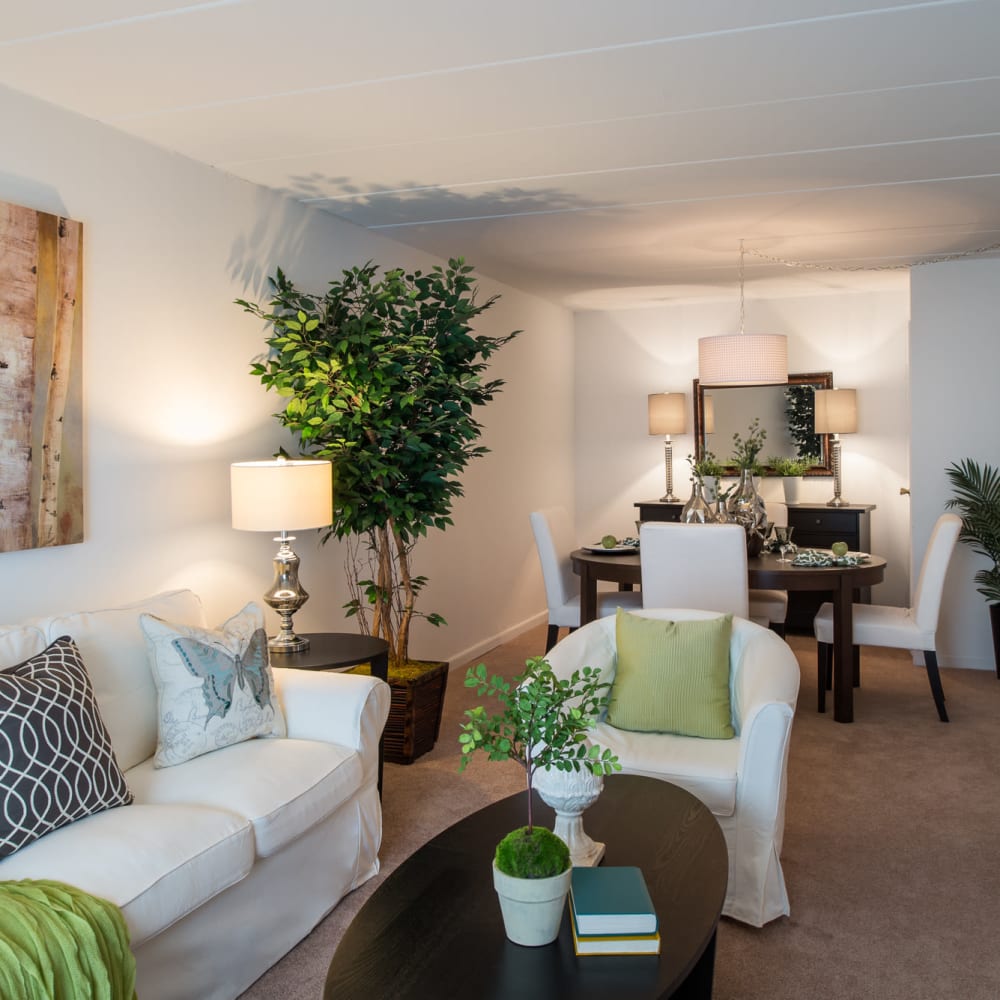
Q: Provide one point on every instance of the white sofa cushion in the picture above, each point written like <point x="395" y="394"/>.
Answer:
<point x="157" y="862"/>
<point x="19" y="643"/>
<point x="114" y="650"/>
<point x="706" y="768"/>
<point x="283" y="787"/>
<point x="214" y="687"/>
<point x="56" y="760"/>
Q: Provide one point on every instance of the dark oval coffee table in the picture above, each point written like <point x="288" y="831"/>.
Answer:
<point x="433" y="929"/>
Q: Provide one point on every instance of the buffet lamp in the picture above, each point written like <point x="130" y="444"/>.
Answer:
<point x="743" y="358"/>
<point x="836" y="413"/>
<point x="283" y="495"/>
<point x="667" y="416"/>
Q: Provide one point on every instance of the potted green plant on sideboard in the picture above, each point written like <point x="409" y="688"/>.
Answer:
<point x="382" y="374"/>
<point x="543" y="723"/>
<point x="977" y="500"/>
<point x="791" y="471"/>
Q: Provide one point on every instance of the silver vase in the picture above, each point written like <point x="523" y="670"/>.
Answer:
<point x="697" y="510"/>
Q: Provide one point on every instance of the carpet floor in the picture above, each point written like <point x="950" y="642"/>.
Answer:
<point x="890" y="828"/>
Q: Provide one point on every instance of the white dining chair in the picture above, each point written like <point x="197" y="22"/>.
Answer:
<point x="554" y="541"/>
<point x="771" y="605"/>
<point x="899" y="628"/>
<point x="700" y="566"/>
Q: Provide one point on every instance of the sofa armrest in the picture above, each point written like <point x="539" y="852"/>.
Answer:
<point x="349" y="709"/>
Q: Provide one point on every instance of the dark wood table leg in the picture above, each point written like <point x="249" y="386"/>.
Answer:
<point x="698" y="985"/>
<point x="843" y="651"/>
<point x="588" y="596"/>
<point x="380" y="669"/>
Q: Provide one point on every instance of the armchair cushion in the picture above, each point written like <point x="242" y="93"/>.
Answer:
<point x="672" y="677"/>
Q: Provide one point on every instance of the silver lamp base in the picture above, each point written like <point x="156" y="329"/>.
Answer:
<point x="668" y="462"/>
<point x="286" y="596"/>
<point x="837" y="500"/>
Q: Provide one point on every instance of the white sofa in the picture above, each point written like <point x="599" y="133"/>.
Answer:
<point x="222" y="863"/>
<point x="742" y="780"/>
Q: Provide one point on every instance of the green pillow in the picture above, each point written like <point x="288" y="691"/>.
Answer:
<point x="672" y="677"/>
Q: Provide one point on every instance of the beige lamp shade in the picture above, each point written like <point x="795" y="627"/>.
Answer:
<point x="743" y="359"/>
<point x="282" y="494"/>
<point x="836" y="411"/>
<point x="708" y="415"/>
<point x="667" y="414"/>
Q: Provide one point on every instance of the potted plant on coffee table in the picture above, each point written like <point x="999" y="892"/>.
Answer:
<point x="543" y="723"/>
<point x="382" y="374"/>
<point x="977" y="501"/>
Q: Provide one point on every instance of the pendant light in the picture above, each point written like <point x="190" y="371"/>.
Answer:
<point x="743" y="358"/>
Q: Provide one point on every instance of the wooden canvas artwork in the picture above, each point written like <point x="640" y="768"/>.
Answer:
<point x="41" y="433"/>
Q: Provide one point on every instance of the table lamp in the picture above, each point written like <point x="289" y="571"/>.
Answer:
<point x="283" y="495"/>
<point x="666" y="417"/>
<point x="836" y="413"/>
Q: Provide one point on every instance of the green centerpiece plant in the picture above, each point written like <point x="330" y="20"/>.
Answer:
<point x="543" y="722"/>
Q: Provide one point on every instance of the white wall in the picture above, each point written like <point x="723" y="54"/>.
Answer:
<point x="169" y="402"/>
<point x="955" y="405"/>
<point x="624" y="355"/>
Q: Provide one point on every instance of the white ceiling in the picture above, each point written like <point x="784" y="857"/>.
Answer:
<point x="599" y="153"/>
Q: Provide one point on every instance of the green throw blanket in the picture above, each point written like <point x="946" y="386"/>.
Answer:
<point x="58" y="942"/>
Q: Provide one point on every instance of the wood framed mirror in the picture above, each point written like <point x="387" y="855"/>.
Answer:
<point x="785" y="412"/>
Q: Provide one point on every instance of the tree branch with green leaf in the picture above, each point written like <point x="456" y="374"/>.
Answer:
<point x="977" y="500"/>
<point x="544" y="721"/>
<point x="382" y="374"/>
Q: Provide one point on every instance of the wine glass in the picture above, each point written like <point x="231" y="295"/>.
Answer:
<point x="783" y="535"/>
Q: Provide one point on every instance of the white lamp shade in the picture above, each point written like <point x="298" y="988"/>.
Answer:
<point x="743" y="359"/>
<point x="836" y="411"/>
<point x="667" y="413"/>
<point x="282" y="495"/>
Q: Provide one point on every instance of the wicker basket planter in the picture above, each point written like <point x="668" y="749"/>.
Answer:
<point x="415" y="714"/>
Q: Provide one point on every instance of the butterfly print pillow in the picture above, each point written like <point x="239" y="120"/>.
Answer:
<point x="214" y="687"/>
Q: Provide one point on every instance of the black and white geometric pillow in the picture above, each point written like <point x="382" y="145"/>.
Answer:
<point x="56" y="760"/>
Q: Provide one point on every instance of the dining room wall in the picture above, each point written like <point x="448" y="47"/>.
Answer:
<point x="169" y="401"/>
<point x="623" y="355"/>
<point x="955" y="413"/>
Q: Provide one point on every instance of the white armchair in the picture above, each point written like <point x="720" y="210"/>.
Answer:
<point x="742" y="780"/>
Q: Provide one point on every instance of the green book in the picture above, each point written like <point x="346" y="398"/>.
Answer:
<point x="611" y="900"/>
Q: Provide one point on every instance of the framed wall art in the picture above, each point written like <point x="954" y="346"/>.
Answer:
<point x="41" y="432"/>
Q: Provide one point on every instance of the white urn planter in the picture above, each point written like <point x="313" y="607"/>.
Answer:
<point x="532" y="907"/>
<point x="569" y="793"/>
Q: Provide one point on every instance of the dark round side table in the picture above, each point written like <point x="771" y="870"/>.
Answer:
<point x="335" y="651"/>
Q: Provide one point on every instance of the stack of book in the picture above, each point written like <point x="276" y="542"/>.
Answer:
<point x="611" y="912"/>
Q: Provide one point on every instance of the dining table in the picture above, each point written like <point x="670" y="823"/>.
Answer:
<point x="766" y="572"/>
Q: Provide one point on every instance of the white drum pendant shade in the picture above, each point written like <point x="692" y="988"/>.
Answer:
<point x="743" y="359"/>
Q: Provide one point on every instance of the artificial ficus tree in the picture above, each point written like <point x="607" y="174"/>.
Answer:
<point x="382" y="375"/>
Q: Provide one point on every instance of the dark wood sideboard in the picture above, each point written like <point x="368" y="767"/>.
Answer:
<point x="815" y="526"/>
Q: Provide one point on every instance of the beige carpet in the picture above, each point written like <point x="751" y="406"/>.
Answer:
<point x="889" y="851"/>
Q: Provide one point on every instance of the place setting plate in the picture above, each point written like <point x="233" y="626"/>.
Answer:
<point x="625" y="547"/>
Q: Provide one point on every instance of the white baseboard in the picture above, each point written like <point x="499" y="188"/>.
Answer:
<point x="462" y="658"/>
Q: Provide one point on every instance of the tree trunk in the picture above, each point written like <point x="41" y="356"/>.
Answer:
<point x="406" y="582"/>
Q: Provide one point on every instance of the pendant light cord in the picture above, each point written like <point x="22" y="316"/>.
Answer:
<point x="742" y="306"/>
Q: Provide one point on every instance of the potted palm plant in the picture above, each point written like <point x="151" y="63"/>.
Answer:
<point x="977" y="501"/>
<point x="382" y="374"/>
<point x="543" y="723"/>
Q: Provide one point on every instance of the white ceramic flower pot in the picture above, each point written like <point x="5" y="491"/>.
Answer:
<point x="532" y="907"/>
<point x="792" y="485"/>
